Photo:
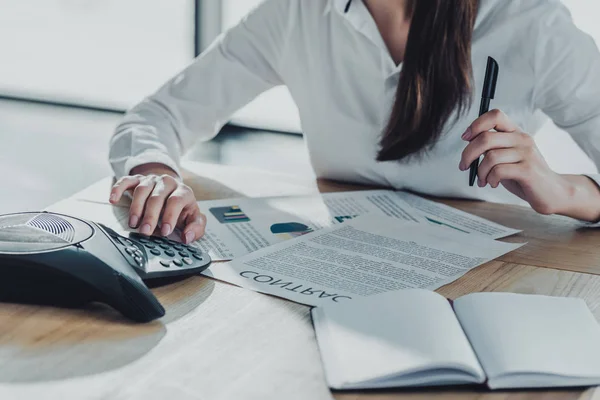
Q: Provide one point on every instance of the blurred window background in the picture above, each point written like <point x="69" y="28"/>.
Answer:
<point x="101" y="53"/>
<point x="111" y="53"/>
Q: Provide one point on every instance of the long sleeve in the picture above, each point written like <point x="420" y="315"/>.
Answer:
<point x="567" y="88"/>
<point x="196" y="103"/>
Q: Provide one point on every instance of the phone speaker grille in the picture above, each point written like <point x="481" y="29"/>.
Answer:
<point x="54" y="225"/>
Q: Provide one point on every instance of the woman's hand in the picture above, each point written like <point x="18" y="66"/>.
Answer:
<point x="511" y="158"/>
<point x="158" y="192"/>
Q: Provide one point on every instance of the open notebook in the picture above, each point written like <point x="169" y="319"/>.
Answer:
<point x="417" y="338"/>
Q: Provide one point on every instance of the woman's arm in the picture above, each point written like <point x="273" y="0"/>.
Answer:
<point x="566" y="64"/>
<point x="195" y="104"/>
<point x="567" y="89"/>
<point x="511" y="158"/>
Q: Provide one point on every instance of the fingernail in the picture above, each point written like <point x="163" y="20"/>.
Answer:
<point x="189" y="237"/>
<point x="165" y="230"/>
<point x="461" y="166"/>
<point x="133" y="221"/>
<point x="145" y="230"/>
<point x="467" y="134"/>
<point x="113" y="198"/>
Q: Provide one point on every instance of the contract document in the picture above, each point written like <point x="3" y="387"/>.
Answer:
<point x="362" y="257"/>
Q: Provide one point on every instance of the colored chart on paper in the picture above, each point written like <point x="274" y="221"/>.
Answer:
<point x="290" y="230"/>
<point x="342" y="218"/>
<point x="230" y="214"/>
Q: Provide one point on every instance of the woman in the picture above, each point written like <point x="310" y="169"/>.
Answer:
<point x="388" y="94"/>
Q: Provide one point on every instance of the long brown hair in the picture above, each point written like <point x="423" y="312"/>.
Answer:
<point x="436" y="76"/>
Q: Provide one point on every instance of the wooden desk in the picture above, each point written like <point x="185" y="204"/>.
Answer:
<point x="223" y="342"/>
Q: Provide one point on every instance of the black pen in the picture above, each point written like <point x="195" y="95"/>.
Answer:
<point x="489" y="89"/>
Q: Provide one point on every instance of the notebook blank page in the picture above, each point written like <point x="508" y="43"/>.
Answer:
<point x="515" y="333"/>
<point x="392" y="334"/>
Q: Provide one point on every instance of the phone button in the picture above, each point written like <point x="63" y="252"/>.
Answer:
<point x="188" y="260"/>
<point x="178" y="263"/>
<point x="170" y="253"/>
<point x="156" y="252"/>
<point x="165" y="263"/>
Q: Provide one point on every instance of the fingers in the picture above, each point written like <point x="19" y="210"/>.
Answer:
<point x="154" y="201"/>
<point x="195" y="225"/>
<point x="177" y="201"/>
<point x="122" y="185"/>
<point x="496" y="137"/>
<point x="504" y="172"/>
<point x="489" y="141"/>
<point x="138" y="202"/>
<point x="494" y="158"/>
<point x="161" y="196"/>
<point x="494" y="119"/>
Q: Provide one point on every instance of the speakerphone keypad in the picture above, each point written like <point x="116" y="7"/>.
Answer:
<point x="165" y="254"/>
<point x="155" y="257"/>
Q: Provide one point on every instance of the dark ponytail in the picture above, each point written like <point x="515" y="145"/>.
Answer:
<point x="435" y="79"/>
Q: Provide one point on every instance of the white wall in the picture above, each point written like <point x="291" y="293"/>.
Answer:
<point x="585" y="15"/>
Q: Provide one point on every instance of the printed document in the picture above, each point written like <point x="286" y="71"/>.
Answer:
<point x="362" y="257"/>
<point x="236" y="227"/>
<point x="449" y="217"/>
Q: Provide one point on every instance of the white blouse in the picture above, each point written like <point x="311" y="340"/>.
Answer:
<point x="343" y="80"/>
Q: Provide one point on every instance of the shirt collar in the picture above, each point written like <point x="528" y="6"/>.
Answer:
<point x="359" y="17"/>
<point x="338" y="5"/>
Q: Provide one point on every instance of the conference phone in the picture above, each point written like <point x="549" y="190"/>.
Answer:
<point x="55" y="259"/>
